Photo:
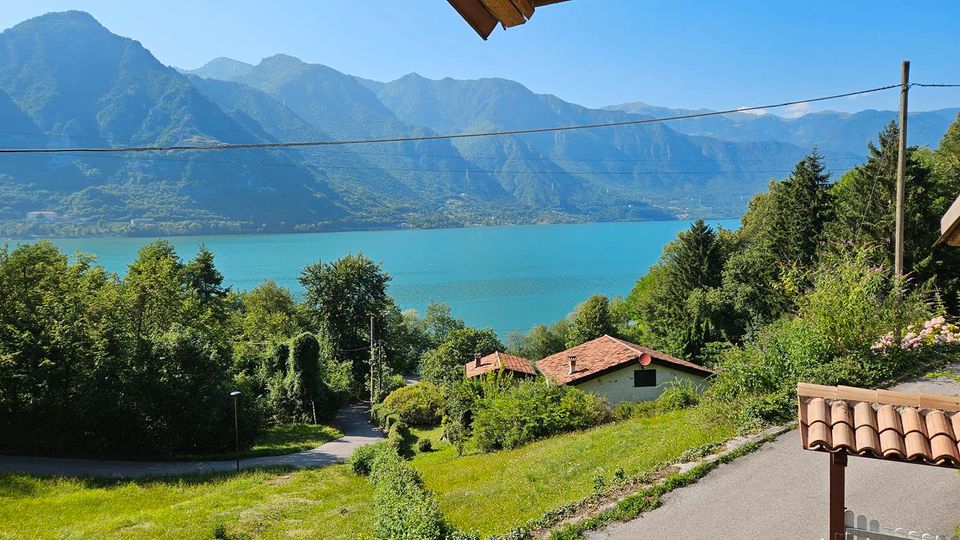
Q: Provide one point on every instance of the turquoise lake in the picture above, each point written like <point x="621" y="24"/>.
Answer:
<point x="505" y="278"/>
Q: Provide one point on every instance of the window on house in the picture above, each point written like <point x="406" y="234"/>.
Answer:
<point x="644" y="377"/>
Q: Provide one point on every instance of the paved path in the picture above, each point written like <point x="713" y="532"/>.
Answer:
<point x="352" y="422"/>
<point x="780" y="491"/>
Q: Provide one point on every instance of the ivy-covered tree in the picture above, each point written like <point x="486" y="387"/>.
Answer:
<point x="340" y="299"/>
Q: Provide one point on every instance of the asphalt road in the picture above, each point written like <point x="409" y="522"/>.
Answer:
<point x="352" y="422"/>
<point x="780" y="492"/>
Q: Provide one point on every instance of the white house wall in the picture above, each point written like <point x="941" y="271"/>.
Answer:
<point x="618" y="386"/>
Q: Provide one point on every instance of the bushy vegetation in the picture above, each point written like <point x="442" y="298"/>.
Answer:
<point x="802" y="291"/>
<point x="498" y="412"/>
<point x="403" y="508"/>
<point x="92" y="363"/>
<point x="418" y="404"/>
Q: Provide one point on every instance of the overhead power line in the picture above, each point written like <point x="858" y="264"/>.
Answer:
<point x="422" y="138"/>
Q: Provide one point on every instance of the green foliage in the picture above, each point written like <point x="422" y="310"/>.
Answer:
<point x="419" y="404"/>
<point x="851" y="304"/>
<point x="541" y="341"/>
<point x="511" y="415"/>
<point x="389" y="385"/>
<point x="679" y="394"/>
<point x="305" y="363"/>
<point x="362" y="458"/>
<point x="424" y="445"/>
<point x="340" y="299"/>
<point x="591" y="320"/>
<point x="143" y="364"/>
<point x="445" y="364"/>
<point x="403" y="509"/>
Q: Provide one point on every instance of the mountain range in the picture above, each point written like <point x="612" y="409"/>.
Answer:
<point x="66" y="81"/>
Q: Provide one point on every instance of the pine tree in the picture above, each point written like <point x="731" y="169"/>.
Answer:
<point x="202" y="276"/>
<point x="803" y="207"/>
<point x="696" y="261"/>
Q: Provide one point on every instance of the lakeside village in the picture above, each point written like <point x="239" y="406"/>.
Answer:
<point x="575" y="425"/>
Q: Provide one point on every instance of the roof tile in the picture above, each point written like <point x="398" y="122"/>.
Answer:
<point x="606" y="353"/>
<point x="499" y="360"/>
<point x="880" y="424"/>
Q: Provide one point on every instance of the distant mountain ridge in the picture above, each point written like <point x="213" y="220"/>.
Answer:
<point x="830" y="130"/>
<point x="65" y="80"/>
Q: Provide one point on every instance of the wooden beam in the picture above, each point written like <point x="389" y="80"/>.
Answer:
<point x="476" y="15"/>
<point x="883" y="397"/>
<point x="838" y="465"/>
<point x="525" y="7"/>
<point x="505" y="11"/>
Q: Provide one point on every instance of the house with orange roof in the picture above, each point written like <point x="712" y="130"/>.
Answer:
<point x="499" y="361"/>
<point x="619" y="370"/>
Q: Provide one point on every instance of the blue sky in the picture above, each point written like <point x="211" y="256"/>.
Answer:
<point x="674" y="53"/>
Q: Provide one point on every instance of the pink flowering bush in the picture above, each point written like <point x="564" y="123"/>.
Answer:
<point x="932" y="333"/>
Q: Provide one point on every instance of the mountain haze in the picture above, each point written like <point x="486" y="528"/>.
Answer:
<point x="66" y="81"/>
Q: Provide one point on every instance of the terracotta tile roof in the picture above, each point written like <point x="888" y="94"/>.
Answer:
<point x="916" y="428"/>
<point x="500" y="360"/>
<point x="605" y="354"/>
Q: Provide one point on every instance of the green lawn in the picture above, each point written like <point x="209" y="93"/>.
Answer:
<point x="278" y="440"/>
<point x="494" y="493"/>
<point x="322" y="503"/>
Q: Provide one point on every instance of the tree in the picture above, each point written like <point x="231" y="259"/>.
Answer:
<point x="678" y="309"/>
<point x="803" y="207"/>
<point x="541" y="341"/>
<point x="591" y="320"/>
<point x="695" y="261"/>
<point x="438" y="322"/>
<point x="305" y="363"/>
<point x="340" y="299"/>
<point x="202" y="276"/>
<point x="445" y="364"/>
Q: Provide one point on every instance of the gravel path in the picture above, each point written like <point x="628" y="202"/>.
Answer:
<point x="780" y="491"/>
<point x="352" y="422"/>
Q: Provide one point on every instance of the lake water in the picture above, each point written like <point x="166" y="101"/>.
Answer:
<point x="505" y="278"/>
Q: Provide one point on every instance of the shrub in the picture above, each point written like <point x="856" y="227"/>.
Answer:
<point x="679" y="394"/>
<point x="417" y="404"/>
<point x="389" y="385"/>
<point x="513" y="415"/>
<point x="397" y="435"/>
<point x="403" y="509"/>
<point x="362" y="458"/>
<point x="851" y="304"/>
<point x="424" y="445"/>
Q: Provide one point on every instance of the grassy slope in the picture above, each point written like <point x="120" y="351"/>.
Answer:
<point x="489" y="493"/>
<point x="494" y="493"/>
<point x="323" y="503"/>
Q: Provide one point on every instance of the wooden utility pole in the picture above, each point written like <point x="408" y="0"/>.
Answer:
<point x="372" y="353"/>
<point x="901" y="172"/>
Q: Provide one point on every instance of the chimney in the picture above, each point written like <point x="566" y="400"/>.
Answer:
<point x="476" y="359"/>
<point x="572" y="362"/>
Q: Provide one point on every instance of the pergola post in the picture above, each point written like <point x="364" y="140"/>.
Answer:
<point x="838" y="466"/>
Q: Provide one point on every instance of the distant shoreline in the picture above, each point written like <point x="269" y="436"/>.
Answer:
<point x="217" y="233"/>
